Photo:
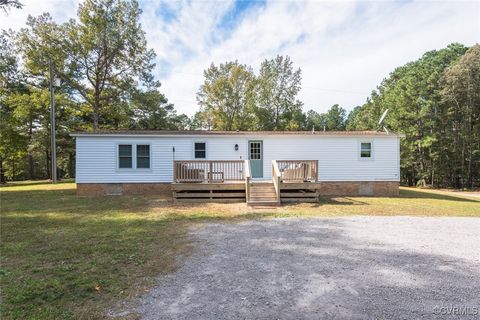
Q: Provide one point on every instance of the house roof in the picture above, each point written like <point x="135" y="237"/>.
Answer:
<point x="229" y="133"/>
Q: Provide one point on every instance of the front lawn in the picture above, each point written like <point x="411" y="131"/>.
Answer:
<point x="64" y="256"/>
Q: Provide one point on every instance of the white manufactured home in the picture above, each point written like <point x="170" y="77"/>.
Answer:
<point x="257" y="167"/>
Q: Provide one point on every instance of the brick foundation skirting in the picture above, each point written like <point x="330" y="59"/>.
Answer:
<point x="103" y="189"/>
<point x="359" y="188"/>
<point x="336" y="188"/>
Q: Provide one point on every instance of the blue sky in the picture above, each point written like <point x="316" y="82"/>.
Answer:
<point x="344" y="48"/>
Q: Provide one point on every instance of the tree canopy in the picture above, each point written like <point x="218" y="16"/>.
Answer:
<point x="227" y="96"/>
<point x="434" y="102"/>
<point x="6" y="5"/>
<point x="232" y="97"/>
<point x="104" y="70"/>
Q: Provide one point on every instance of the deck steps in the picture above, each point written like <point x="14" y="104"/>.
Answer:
<point x="263" y="194"/>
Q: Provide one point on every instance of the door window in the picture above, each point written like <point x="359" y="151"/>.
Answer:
<point x="255" y="150"/>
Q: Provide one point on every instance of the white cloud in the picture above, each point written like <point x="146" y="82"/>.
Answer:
<point x="60" y="10"/>
<point x="344" y="48"/>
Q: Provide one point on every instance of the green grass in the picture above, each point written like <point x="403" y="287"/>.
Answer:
<point x="64" y="256"/>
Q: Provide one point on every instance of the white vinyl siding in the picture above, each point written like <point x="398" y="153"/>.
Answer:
<point x="338" y="156"/>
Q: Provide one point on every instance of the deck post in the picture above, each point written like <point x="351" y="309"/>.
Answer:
<point x="276" y="179"/>
<point x="174" y="171"/>
<point x="210" y="173"/>
<point x="246" y="169"/>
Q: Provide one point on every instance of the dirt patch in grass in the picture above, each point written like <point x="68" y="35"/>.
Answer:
<point x="410" y="202"/>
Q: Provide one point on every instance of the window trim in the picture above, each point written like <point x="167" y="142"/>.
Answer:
<point x="206" y="149"/>
<point x="359" y="151"/>
<point x="134" y="156"/>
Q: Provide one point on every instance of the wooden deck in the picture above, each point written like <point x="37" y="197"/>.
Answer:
<point x="230" y="181"/>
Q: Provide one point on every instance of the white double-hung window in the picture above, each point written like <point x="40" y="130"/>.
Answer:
<point x="133" y="156"/>
<point x="125" y="159"/>
<point x="365" y="150"/>
<point x="200" y="150"/>
<point x="143" y="156"/>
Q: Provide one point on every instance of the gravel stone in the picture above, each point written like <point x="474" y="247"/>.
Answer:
<point x="325" y="268"/>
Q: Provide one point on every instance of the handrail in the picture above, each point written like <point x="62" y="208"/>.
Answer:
<point x="276" y="179"/>
<point x="212" y="161"/>
<point x="208" y="171"/>
<point x="298" y="170"/>
<point x="247" y="179"/>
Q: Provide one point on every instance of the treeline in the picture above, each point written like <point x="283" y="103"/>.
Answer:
<point x="435" y="102"/>
<point x="233" y="97"/>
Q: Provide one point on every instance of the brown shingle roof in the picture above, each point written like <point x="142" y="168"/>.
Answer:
<point x="252" y="133"/>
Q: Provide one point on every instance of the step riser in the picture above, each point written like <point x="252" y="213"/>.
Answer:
<point x="273" y="194"/>
<point x="270" y="204"/>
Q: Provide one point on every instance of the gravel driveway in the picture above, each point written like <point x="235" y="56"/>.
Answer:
<point x="343" y="268"/>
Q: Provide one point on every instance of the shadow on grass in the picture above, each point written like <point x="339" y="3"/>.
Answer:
<point x="336" y="201"/>
<point x="61" y="267"/>
<point x="340" y="201"/>
<point x="32" y="183"/>
<point x="414" y="194"/>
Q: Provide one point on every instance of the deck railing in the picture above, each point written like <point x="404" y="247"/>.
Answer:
<point x="276" y="176"/>
<point x="247" y="179"/>
<point x="208" y="171"/>
<point x="298" y="170"/>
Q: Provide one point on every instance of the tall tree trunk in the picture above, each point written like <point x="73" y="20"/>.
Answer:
<point x="277" y="115"/>
<point x="470" y="155"/>
<point x="31" y="166"/>
<point x="96" y="104"/>
<point x="47" y="162"/>
<point x="463" y="165"/>
<point x="2" y="173"/>
<point x="71" y="165"/>
<point x="95" y="116"/>
<point x="433" y="173"/>
<point x="13" y="169"/>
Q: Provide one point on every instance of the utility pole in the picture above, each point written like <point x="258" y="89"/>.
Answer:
<point x="52" y="125"/>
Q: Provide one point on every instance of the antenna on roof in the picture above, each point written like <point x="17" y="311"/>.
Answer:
<point x="382" y="118"/>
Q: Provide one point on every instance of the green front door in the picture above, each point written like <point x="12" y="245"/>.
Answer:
<point x="255" y="155"/>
